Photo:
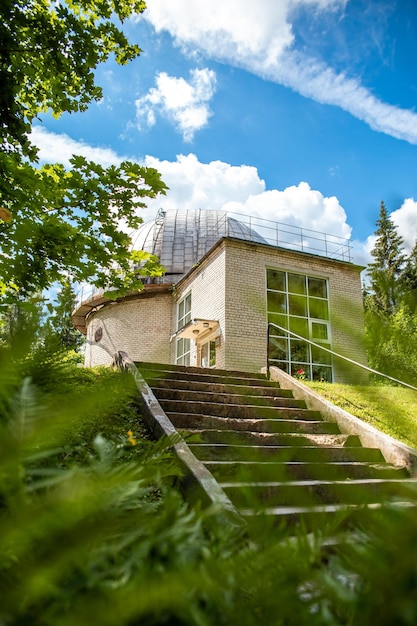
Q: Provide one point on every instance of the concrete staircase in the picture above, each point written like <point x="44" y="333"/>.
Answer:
<point x="270" y="455"/>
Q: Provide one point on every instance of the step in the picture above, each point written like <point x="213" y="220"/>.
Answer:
<point x="319" y="516"/>
<point x="237" y="410"/>
<point x="196" y="421"/>
<point x="233" y="399"/>
<point x="208" y="376"/>
<point x="188" y="369"/>
<point x="219" y="388"/>
<point x="285" y="454"/>
<point x="236" y="471"/>
<point x="268" y="439"/>
<point x="316" y="492"/>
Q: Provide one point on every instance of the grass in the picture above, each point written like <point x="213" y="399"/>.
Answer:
<point x="393" y="410"/>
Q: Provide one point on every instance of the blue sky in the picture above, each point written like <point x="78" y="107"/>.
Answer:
<point x="299" y="111"/>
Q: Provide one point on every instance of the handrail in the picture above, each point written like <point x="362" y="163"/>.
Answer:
<point x="340" y="356"/>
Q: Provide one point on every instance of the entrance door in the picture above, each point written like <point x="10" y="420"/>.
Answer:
<point x="208" y="354"/>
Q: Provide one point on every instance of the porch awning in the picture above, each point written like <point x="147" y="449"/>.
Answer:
<point x="195" y="329"/>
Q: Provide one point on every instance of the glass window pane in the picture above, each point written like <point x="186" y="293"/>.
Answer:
<point x="296" y="283"/>
<point x="317" y="287"/>
<point x="297" y="305"/>
<point x="322" y="373"/>
<point x="277" y="302"/>
<point x="321" y="356"/>
<point x="278" y="348"/>
<point x="280" y="320"/>
<point x="319" y="331"/>
<point x="299" y="326"/>
<point x="299" y="351"/>
<point x="318" y="308"/>
<point x="275" y="280"/>
<point x="181" y="310"/>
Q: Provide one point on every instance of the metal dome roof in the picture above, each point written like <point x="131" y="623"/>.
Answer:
<point x="179" y="238"/>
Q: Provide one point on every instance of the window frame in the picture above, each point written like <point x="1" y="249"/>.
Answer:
<point x="313" y="368"/>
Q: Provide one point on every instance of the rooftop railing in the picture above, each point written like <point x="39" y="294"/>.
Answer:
<point x="292" y="237"/>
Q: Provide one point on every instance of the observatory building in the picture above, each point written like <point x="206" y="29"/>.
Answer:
<point x="226" y="277"/>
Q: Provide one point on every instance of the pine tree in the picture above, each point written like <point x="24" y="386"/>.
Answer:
<point x="60" y="330"/>
<point x="409" y="275"/>
<point x="386" y="270"/>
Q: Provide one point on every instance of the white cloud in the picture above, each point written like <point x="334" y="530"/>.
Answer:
<point x="54" y="148"/>
<point x="406" y="219"/>
<point x="221" y="186"/>
<point x="218" y="185"/>
<point x="259" y="38"/>
<point x="184" y="103"/>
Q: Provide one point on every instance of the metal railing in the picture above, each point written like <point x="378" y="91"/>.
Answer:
<point x="340" y="356"/>
<point x="294" y="237"/>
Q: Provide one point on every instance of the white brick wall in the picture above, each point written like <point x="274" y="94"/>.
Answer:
<point x="140" y="326"/>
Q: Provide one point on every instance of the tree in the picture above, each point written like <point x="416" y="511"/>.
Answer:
<point x="59" y="328"/>
<point x="56" y="221"/>
<point x="385" y="271"/>
<point x="409" y="275"/>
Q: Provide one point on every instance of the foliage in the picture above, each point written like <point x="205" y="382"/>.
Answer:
<point x="389" y="408"/>
<point x="392" y="343"/>
<point x="54" y="221"/>
<point x="92" y="529"/>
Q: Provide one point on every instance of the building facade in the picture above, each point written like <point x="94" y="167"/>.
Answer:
<point x="223" y="284"/>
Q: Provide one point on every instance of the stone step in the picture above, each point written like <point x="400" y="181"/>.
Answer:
<point x="187" y="369"/>
<point x="316" y="517"/>
<point x="196" y="421"/>
<point x="268" y="439"/>
<point x="219" y="388"/>
<point x="208" y="376"/>
<point x="272" y="457"/>
<point x="209" y="397"/>
<point x="259" y="471"/>
<point x="285" y="454"/>
<point x="239" y="411"/>
<point x="316" y="492"/>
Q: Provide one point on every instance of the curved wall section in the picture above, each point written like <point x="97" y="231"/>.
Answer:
<point x="140" y="326"/>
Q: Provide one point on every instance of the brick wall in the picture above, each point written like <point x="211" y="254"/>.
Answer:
<point x="140" y="326"/>
<point x="246" y="265"/>
<point x="207" y="283"/>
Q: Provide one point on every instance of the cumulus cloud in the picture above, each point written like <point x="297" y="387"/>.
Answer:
<point x="185" y="104"/>
<point x="59" y="148"/>
<point x="235" y="188"/>
<point x="259" y="38"/>
<point x="406" y="219"/>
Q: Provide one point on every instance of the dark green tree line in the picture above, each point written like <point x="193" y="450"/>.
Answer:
<point x="390" y="303"/>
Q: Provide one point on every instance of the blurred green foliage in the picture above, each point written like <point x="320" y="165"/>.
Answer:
<point x="93" y="529"/>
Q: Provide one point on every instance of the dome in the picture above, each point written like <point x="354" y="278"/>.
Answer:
<point x="179" y="238"/>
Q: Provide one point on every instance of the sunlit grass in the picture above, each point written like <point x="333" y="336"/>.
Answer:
<point x="392" y="410"/>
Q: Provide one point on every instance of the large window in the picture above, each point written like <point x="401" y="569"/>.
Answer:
<point x="183" y="317"/>
<point x="300" y="304"/>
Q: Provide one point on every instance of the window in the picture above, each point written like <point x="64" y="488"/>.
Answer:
<point x="300" y="304"/>
<point x="183" y="317"/>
